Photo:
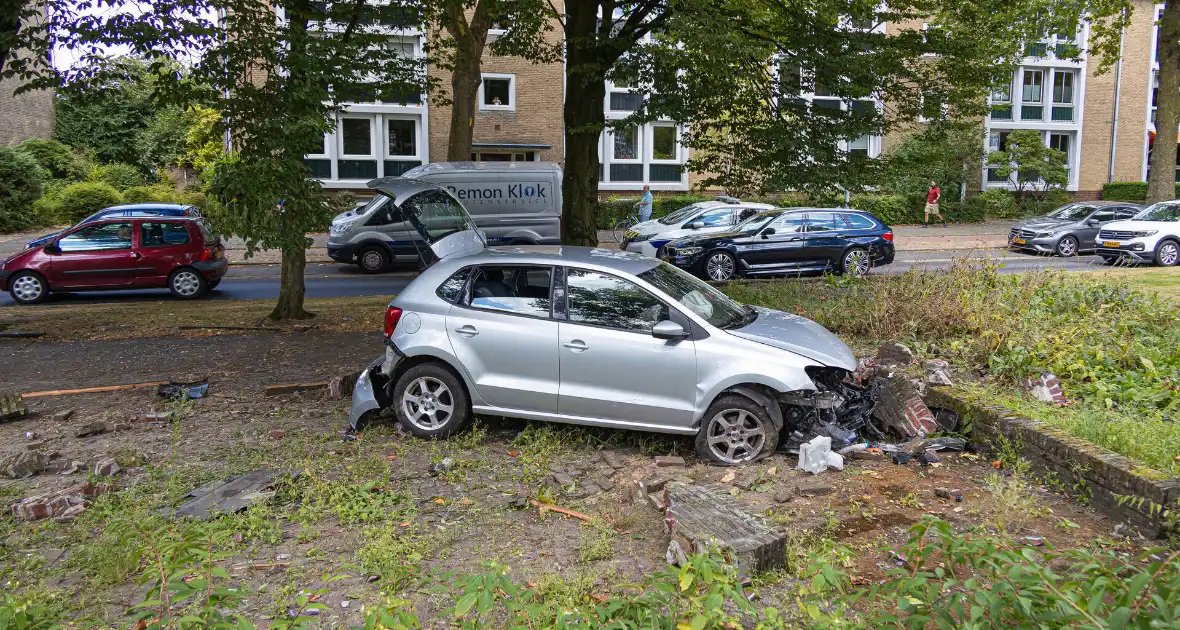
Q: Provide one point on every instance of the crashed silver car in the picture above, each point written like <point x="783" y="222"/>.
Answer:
<point x="594" y="337"/>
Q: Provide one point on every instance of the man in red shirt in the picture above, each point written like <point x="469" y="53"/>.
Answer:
<point x="932" y="198"/>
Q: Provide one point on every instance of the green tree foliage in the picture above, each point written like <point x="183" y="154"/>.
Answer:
<point x="948" y="153"/>
<point x="58" y="160"/>
<point x="118" y="175"/>
<point x="203" y="143"/>
<point x="110" y="113"/>
<point x="162" y="143"/>
<point x="78" y="201"/>
<point x="1033" y="167"/>
<point x="20" y="185"/>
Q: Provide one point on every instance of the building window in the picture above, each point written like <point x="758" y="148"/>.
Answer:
<point x="1062" y="96"/>
<point x="663" y="142"/>
<point x="1061" y="141"/>
<point x="403" y="137"/>
<point x="996" y="141"/>
<point x="1002" y="101"/>
<point x="626" y="145"/>
<point x="859" y="146"/>
<point x="1032" y="95"/>
<point x="493" y="156"/>
<point x="356" y="137"/>
<point x="498" y="92"/>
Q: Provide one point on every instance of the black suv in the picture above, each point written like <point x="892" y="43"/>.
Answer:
<point x="787" y="240"/>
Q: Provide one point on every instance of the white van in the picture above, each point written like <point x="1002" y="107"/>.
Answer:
<point x="512" y="203"/>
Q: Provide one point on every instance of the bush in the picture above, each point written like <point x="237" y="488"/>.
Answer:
<point x="80" y="200"/>
<point x="891" y="209"/>
<point x="118" y="175"/>
<point x="58" y="160"/>
<point x="1128" y="191"/>
<point x="21" y="182"/>
<point x="1000" y="204"/>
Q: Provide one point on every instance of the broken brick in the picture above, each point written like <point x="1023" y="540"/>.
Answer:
<point x="94" y="428"/>
<point x="698" y="517"/>
<point x="1046" y="388"/>
<point x="667" y="461"/>
<point x="63" y="415"/>
<point x="276" y="434"/>
<point x="61" y="504"/>
<point x="901" y="409"/>
<point x="106" y="467"/>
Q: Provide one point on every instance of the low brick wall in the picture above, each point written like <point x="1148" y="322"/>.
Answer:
<point x="1104" y="474"/>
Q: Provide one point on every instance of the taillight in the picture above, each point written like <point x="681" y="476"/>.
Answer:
<point x="888" y="236"/>
<point x="206" y="255"/>
<point x="392" y="314"/>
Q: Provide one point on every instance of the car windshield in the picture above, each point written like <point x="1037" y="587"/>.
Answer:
<point x="681" y="214"/>
<point x="757" y="222"/>
<point x="1071" y="212"/>
<point x="700" y="298"/>
<point x="1163" y="211"/>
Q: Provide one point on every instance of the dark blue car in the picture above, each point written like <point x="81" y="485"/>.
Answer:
<point x="787" y="241"/>
<point x="133" y="210"/>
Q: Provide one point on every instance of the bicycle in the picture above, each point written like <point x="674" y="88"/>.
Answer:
<point x="622" y="226"/>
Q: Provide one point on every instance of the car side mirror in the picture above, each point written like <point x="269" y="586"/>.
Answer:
<point x="668" y="329"/>
<point x="1092" y="222"/>
<point x="767" y="232"/>
<point x="696" y="225"/>
<point x="51" y="248"/>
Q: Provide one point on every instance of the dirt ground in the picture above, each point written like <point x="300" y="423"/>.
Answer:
<point x="369" y="508"/>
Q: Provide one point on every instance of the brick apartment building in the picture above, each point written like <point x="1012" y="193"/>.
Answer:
<point x="1104" y="123"/>
<point x="24" y="117"/>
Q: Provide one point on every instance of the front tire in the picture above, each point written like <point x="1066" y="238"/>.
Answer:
<point x="1067" y="247"/>
<point x="28" y="287"/>
<point x="431" y="402"/>
<point x="187" y="283"/>
<point x="1167" y="254"/>
<point x="856" y="262"/>
<point x="720" y="266"/>
<point x="372" y="260"/>
<point x="736" y="430"/>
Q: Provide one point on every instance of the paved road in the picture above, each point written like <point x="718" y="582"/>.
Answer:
<point x="258" y="282"/>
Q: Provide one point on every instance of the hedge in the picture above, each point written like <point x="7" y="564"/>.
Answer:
<point x="21" y="183"/>
<point x="80" y="200"/>
<point x="162" y="193"/>
<point x="1129" y="191"/>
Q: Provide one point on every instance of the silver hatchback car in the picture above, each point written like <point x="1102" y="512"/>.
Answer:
<point x="587" y="336"/>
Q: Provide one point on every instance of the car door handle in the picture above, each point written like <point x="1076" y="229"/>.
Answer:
<point x="467" y="330"/>
<point x="792" y="240"/>
<point x="577" y="345"/>
<point x="136" y="255"/>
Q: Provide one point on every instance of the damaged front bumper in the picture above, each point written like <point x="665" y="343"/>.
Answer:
<point x="370" y="394"/>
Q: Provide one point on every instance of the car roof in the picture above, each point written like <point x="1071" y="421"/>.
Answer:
<point x="626" y="262"/>
<point x="1105" y="203"/>
<point x="148" y="218"/>
<point x="146" y="206"/>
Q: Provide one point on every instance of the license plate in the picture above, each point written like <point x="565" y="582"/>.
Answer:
<point x="1019" y="241"/>
<point x="1110" y="243"/>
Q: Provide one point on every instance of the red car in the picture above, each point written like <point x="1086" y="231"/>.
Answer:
<point x="179" y="253"/>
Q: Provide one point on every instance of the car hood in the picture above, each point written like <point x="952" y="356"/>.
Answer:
<point x="654" y="227"/>
<point x="1042" y="222"/>
<point x="695" y="240"/>
<point x="799" y="335"/>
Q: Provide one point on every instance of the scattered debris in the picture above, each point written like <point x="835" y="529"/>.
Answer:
<point x="675" y="555"/>
<point x="784" y="496"/>
<point x="173" y="389"/>
<point x="942" y="493"/>
<point x="701" y="516"/>
<point x="611" y="458"/>
<point x="336" y="388"/>
<point x="653" y="484"/>
<point x="94" y="390"/>
<point x="232" y="495"/>
<point x="445" y="465"/>
<point x="895" y="353"/>
<point x="814" y="490"/>
<point x="276" y="434"/>
<point x="61" y="504"/>
<point x="928" y="458"/>
<point x="74" y="467"/>
<point x="946" y="444"/>
<point x="24" y="465"/>
<point x="938" y="372"/>
<point x="902" y="410"/>
<point x="19" y="334"/>
<point x="63" y="415"/>
<point x="1046" y="388"/>
<point x="546" y="507"/>
<point x="35" y="446"/>
<point x="32" y="435"/>
<point x="816" y="456"/>
<point x="666" y="461"/>
<point x="106" y="467"/>
<point x="94" y="428"/>
<point x="157" y="416"/>
<point x="12" y="407"/>
<point x="1033" y="541"/>
<point x="729" y="476"/>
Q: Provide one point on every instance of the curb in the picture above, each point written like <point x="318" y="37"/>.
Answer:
<point x="1102" y="474"/>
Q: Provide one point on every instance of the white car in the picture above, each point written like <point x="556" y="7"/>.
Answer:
<point x="705" y="217"/>
<point x="1151" y="236"/>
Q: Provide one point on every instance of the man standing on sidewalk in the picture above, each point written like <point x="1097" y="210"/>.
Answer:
<point x="932" y="198"/>
<point x="644" y="205"/>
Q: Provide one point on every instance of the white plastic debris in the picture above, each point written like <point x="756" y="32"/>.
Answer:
<point x="816" y="456"/>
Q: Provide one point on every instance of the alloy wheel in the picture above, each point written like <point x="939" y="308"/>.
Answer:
<point x="719" y="266"/>
<point x="428" y="403"/>
<point x="1067" y="247"/>
<point x="373" y="260"/>
<point x="1169" y="254"/>
<point x="857" y="262"/>
<point x="28" y="288"/>
<point x="735" y="435"/>
<point x="186" y="283"/>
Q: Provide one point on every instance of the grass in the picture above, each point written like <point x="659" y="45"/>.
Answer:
<point x="132" y="320"/>
<point x="1163" y="281"/>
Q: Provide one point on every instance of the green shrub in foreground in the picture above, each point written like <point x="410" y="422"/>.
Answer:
<point x="58" y="160"/>
<point x="118" y="175"/>
<point x="21" y="182"/>
<point x="80" y="200"/>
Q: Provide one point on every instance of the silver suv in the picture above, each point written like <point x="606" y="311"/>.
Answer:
<point x="587" y="336"/>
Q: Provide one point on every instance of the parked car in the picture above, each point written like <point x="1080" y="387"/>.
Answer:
<point x="1070" y="229"/>
<point x="130" y="210"/>
<point x="787" y="240"/>
<point x="514" y="203"/>
<point x="179" y="253"/>
<point x="704" y="217"/>
<point x="1151" y="236"/>
<point x="585" y="336"/>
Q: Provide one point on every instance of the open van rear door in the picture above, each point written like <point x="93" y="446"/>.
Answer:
<point x="443" y="223"/>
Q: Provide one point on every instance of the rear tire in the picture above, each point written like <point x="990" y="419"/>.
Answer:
<point x="856" y="262"/>
<point x="187" y="283"/>
<point x="213" y="285"/>
<point x="372" y="260"/>
<point x="431" y="402"/>
<point x="720" y="266"/>
<point x="1067" y="247"/>
<point x="28" y="287"/>
<point x="1167" y="253"/>
<point x="736" y="430"/>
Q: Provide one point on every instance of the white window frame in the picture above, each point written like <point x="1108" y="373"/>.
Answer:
<point x="372" y="155"/>
<point x="511" y="106"/>
<point x="651" y="145"/>
<point x="328" y="140"/>
<point x="417" y="121"/>
<point x="638" y="159"/>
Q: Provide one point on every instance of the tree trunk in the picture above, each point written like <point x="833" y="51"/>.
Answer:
<point x="291" y="286"/>
<point x="465" y="82"/>
<point x="1161" y="181"/>
<point x="584" y="120"/>
<point x="10" y="12"/>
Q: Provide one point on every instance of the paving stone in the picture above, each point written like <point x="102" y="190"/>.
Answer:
<point x="35" y="446"/>
<point x="612" y="459"/>
<point x="894" y="352"/>
<point x="561" y="479"/>
<point x="667" y="461"/>
<point x="784" y="496"/>
<point x="654" y="484"/>
<point x="63" y="415"/>
<point x="106" y="467"/>
<point x="699" y="516"/>
<point x="606" y="483"/>
<point x="24" y="465"/>
<point x="815" y="490"/>
<point x="93" y="428"/>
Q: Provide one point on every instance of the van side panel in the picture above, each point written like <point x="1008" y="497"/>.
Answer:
<point x="511" y="206"/>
